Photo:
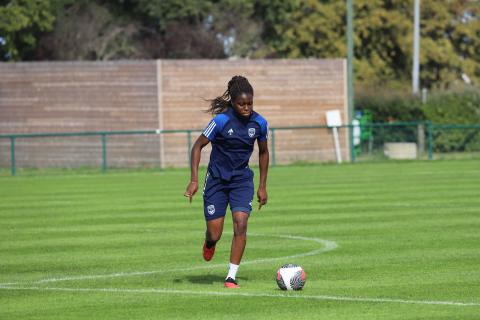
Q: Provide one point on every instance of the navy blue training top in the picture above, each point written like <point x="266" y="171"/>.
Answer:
<point x="233" y="139"/>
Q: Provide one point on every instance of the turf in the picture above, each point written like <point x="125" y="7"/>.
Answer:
<point x="128" y="245"/>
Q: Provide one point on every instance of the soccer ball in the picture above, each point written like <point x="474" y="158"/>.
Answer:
<point x="291" y="277"/>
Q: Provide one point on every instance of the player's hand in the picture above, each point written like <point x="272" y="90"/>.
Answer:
<point x="191" y="190"/>
<point x="262" y="197"/>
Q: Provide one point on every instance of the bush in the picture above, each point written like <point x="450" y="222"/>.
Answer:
<point x="455" y="108"/>
<point x="390" y="106"/>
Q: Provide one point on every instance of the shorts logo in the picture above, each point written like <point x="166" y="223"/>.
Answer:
<point x="211" y="209"/>
<point x="251" y="132"/>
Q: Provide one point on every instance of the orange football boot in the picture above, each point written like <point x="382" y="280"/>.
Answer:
<point x="208" y="253"/>
<point x="231" y="284"/>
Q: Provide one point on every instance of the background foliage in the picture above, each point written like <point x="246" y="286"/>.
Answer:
<point x="150" y="29"/>
<point x="216" y="29"/>
<point x="458" y="108"/>
<point x="444" y="107"/>
<point x="22" y="23"/>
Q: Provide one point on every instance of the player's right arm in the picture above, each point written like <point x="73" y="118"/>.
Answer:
<point x="192" y="187"/>
<point x="209" y="134"/>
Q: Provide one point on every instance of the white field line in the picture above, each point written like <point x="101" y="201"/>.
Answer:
<point x="237" y="293"/>
<point x="8" y="284"/>
<point x="326" y="246"/>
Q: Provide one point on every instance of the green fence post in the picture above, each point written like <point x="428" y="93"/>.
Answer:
<point x="13" y="163"/>
<point x="430" y="140"/>
<point x="350" y="142"/>
<point x="104" y="153"/>
<point x="189" y="146"/>
<point x="274" y="161"/>
<point x="420" y="139"/>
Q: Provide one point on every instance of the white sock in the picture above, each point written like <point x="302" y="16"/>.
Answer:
<point x="232" y="270"/>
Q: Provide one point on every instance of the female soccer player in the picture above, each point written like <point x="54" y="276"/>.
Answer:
<point x="229" y="180"/>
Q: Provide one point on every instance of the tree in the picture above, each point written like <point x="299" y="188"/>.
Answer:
<point x="21" y="22"/>
<point x="86" y="30"/>
<point x="383" y="35"/>
<point x="303" y="28"/>
<point x="179" y="29"/>
<point x="202" y="28"/>
<point x="450" y="42"/>
<point x="124" y="29"/>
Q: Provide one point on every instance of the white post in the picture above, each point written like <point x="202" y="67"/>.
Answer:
<point x="416" y="48"/>
<point x="338" y="154"/>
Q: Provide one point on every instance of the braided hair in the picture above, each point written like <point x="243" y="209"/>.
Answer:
<point x="236" y="86"/>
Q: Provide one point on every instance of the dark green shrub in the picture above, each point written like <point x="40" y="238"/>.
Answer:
<point x="460" y="108"/>
<point x="388" y="106"/>
<point x="454" y="108"/>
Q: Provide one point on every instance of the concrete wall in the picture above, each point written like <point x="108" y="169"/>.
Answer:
<point x="165" y="94"/>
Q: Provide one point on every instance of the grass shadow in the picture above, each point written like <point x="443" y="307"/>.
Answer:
<point x="204" y="279"/>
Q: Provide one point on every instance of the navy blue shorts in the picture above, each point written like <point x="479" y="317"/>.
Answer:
<point x="218" y="193"/>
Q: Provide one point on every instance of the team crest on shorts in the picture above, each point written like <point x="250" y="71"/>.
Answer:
<point x="211" y="209"/>
<point x="251" y="132"/>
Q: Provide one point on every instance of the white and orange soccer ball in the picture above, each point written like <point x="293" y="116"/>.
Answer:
<point x="291" y="277"/>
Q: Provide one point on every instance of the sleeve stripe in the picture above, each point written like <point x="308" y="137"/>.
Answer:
<point x="209" y="129"/>
<point x="209" y="125"/>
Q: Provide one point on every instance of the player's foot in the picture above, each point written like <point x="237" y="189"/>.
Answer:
<point x="231" y="284"/>
<point x="208" y="253"/>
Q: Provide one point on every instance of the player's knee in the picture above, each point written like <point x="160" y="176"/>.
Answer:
<point x="240" y="228"/>
<point x="213" y="236"/>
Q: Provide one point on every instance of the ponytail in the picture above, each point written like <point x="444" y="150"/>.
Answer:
<point x="236" y="86"/>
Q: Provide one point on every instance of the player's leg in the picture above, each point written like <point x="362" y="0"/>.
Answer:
<point x="215" y="202"/>
<point x="240" y="198"/>
<point x="239" y="239"/>
<point x="212" y="236"/>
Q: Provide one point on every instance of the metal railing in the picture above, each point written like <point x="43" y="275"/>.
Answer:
<point x="103" y="135"/>
<point x="431" y="133"/>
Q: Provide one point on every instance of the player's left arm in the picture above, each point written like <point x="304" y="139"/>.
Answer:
<point x="264" y="157"/>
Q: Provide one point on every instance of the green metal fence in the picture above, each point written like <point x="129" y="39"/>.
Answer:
<point x="368" y="142"/>
<point x="101" y="135"/>
<point x="429" y="141"/>
<point x="396" y="140"/>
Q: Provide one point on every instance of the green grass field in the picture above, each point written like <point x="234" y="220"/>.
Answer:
<point x="397" y="240"/>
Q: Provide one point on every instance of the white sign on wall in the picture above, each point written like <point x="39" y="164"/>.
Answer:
<point x="334" y="120"/>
